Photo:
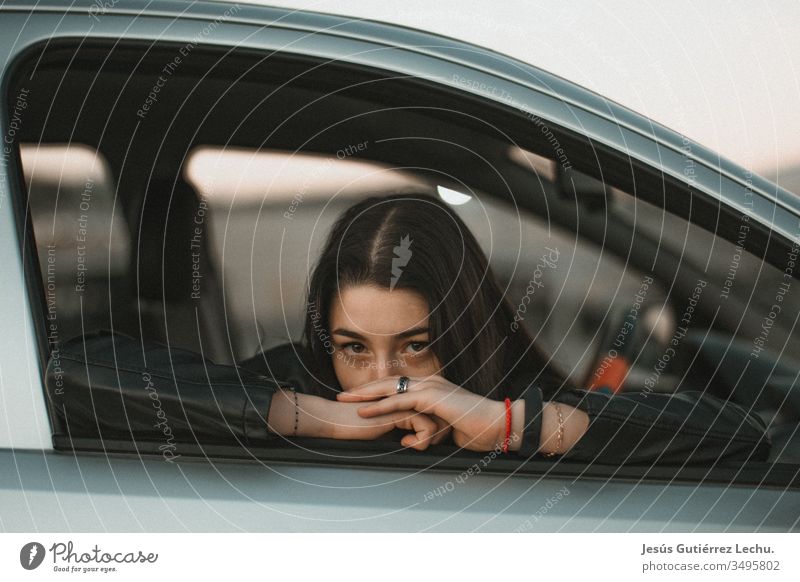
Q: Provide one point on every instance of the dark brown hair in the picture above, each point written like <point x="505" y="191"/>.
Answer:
<point x="418" y="243"/>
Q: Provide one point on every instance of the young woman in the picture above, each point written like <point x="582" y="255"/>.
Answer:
<point x="405" y="317"/>
<point x="402" y="289"/>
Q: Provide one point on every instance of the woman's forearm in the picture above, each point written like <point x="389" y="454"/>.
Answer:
<point x="575" y="423"/>
<point x="304" y="418"/>
<point x="313" y="416"/>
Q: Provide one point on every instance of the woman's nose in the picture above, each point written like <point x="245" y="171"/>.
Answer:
<point x="385" y="367"/>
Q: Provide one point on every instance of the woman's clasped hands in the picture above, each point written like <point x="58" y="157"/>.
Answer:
<point x="477" y="423"/>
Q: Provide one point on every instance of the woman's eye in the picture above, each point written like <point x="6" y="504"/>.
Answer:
<point x="355" y="347"/>
<point x="417" y="347"/>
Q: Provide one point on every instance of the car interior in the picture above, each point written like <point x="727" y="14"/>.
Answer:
<point x="187" y="205"/>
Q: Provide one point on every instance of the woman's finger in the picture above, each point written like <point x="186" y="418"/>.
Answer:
<point x="349" y="396"/>
<point x="396" y="403"/>
<point x="443" y="429"/>
<point x="423" y="427"/>
<point x="378" y="389"/>
<point x="417" y="421"/>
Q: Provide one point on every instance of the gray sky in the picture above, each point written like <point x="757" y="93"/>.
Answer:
<point x="726" y="74"/>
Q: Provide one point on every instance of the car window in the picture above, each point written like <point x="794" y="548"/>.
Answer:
<point x="203" y="238"/>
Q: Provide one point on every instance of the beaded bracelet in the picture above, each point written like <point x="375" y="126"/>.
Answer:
<point x="559" y="432"/>
<point x="296" y="413"/>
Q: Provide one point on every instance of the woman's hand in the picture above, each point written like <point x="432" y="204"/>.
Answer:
<point x="323" y="418"/>
<point x="478" y="422"/>
<point x="345" y="423"/>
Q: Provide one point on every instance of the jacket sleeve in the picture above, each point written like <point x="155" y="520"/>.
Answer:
<point x="649" y="427"/>
<point x="111" y="385"/>
<point x="291" y="364"/>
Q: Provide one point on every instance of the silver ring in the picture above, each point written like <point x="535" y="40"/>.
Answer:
<point x="402" y="384"/>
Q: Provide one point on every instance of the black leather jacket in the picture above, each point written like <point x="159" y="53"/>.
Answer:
<point x="113" y="386"/>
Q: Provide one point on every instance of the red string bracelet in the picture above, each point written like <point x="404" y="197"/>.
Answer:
<point x="507" y="440"/>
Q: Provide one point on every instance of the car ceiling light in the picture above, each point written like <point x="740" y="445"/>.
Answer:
<point x="452" y="196"/>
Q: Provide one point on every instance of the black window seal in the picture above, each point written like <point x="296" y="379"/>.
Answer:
<point x="384" y="454"/>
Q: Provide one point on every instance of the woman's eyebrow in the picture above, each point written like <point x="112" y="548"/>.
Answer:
<point x="405" y="334"/>
<point x="413" y="331"/>
<point x="347" y="333"/>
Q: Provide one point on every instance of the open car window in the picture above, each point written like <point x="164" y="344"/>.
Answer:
<point x="209" y="204"/>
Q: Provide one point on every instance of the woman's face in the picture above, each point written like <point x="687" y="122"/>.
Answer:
<point x="378" y="333"/>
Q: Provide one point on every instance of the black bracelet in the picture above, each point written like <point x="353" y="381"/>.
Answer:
<point x="531" y="433"/>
